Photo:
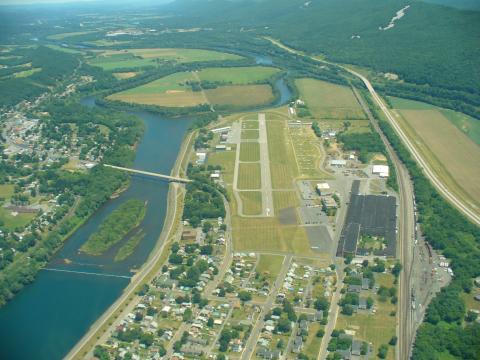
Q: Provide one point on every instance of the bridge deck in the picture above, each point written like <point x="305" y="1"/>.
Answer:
<point x="148" y="173"/>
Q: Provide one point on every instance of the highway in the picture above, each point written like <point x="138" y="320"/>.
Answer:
<point x="429" y="173"/>
<point x="145" y="270"/>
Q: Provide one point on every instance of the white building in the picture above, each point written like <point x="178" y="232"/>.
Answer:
<point x="381" y="170"/>
<point x="338" y="163"/>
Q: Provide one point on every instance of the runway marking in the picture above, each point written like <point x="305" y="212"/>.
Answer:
<point x="87" y="273"/>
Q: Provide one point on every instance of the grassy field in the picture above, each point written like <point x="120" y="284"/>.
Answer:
<point x="267" y="234"/>
<point x="329" y="101"/>
<point x="250" y="151"/>
<point x="249" y="177"/>
<point x="312" y="344"/>
<point x="250" y="125"/>
<point x="12" y="222"/>
<point x="270" y="265"/>
<point x="135" y="58"/>
<point x="226" y="159"/>
<point x="69" y="34"/>
<point x="466" y="124"/>
<point x="249" y="134"/>
<point x="284" y="200"/>
<point x="167" y="91"/>
<point x="283" y="165"/>
<point x="172" y="91"/>
<point x="26" y="73"/>
<point x="6" y="191"/>
<point x="237" y="75"/>
<point x="451" y="154"/>
<point x="252" y="202"/>
<point x="65" y="49"/>
<point x="125" y="75"/>
<point x="240" y="95"/>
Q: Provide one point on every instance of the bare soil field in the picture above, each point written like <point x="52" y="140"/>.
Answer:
<point x="240" y="95"/>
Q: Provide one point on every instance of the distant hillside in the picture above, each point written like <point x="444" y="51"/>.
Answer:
<point x="460" y="4"/>
<point x="430" y="44"/>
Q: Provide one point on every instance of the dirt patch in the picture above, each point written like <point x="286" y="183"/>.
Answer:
<point x="288" y="216"/>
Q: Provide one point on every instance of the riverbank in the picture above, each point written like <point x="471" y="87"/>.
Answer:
<point x="128" y="299"/>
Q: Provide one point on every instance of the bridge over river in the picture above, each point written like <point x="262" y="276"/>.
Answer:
<point x="148" y="173"/>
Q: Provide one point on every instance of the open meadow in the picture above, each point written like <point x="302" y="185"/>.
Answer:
<point x="249" y="151"/>
<point x="175" y="90"/>
<point x="136" y="58"/>
<point x="251" y="202"/>
<point x="249" y="177"/>
<point x="329" y="101"/>
<point x="237" y="75"/>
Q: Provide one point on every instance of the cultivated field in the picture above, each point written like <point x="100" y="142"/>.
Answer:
<point x="451" y="154"/>
<point x="466" y="124"/>
<point x="237" y="75"/>
<point x="134" y="58"/>
<point x="249" y="177"/>
<point x="173" y="90"/>
<point x="251" y="202"/>
<point x="244" y="95"/>
<point x="167" y="91"/>
<point x="249" y="151"/>
<point x="329" y="101"/>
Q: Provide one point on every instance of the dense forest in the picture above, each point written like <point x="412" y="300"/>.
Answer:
<point x="54" y="65"/>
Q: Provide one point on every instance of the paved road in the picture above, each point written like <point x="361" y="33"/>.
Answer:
<point x="429" y="173"/>
<point x="145" y="269"/>
<point x="257" y="328"/>
<point x="332" y="313"/>
<point x="267" y="198"/>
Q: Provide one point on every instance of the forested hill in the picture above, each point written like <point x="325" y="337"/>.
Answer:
<point x="431" y="44"/>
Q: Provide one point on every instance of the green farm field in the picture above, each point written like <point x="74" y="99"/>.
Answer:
<point x="135" y="58"/>
<point x="453" y="156"/>
<point x="329" y="101"/>
<point x="238" y="75"/>
<point x="466" y="124"/>
<point x="251" y="202"/>
<point x="249" y="177"/>
<point x="249" y="151"/>
<point x="240" y="95"/>
<point x="167" y="91"/>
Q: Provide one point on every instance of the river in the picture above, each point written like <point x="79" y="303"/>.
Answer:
<point x="47" y="318"/>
